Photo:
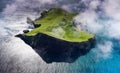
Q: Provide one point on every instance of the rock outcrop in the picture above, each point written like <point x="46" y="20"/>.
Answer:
<point x="31" y="22"/>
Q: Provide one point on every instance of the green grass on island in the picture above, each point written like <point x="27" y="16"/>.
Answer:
<point x="58" y="23"/>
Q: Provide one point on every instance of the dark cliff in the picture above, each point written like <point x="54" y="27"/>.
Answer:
<point x="55" y="50"/>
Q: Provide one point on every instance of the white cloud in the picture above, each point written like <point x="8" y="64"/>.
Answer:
<point x="66" y="7"/>
<point x="27" y="6"/>
<point x="94" y="4"/>
<point x="96" y="22"/>
<point x="105" y="49"/>
<point x="10" y="9"/>
<point x="112" y="8"/>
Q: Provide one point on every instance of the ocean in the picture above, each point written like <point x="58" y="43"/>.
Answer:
<point x="18" y="57"/>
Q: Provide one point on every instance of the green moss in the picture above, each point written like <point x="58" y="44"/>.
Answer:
<point x="58" y="23"/>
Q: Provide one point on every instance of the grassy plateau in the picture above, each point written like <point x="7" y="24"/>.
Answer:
<point x="58" y="23"/>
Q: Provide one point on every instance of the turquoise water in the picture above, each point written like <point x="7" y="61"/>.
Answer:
<point x="92" y="63"/>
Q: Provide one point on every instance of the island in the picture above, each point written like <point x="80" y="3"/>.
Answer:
<point x="56" y="38"/>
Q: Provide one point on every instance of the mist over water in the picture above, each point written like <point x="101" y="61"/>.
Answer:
<point x="101" y="17"/>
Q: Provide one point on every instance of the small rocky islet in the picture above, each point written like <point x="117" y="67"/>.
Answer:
<point x="56" y="38"/>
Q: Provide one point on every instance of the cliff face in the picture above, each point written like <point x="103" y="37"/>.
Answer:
<point x="55" y="50"/>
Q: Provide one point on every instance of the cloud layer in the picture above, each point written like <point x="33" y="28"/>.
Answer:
<point x="101" y="17"/>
